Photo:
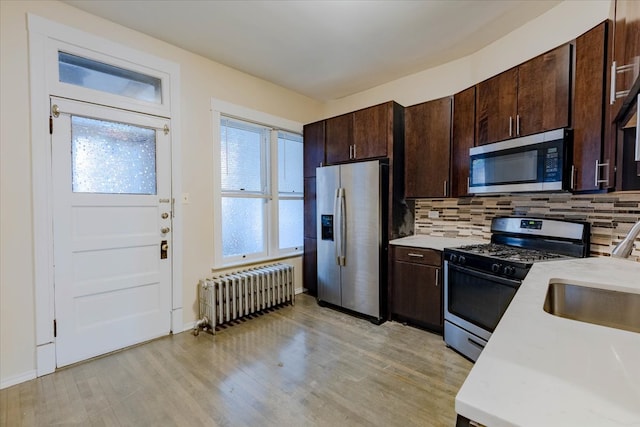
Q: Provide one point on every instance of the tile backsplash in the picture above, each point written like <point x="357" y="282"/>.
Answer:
<point x="611" y="215"/>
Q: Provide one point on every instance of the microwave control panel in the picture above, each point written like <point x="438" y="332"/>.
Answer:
<point x="552" y="162"/>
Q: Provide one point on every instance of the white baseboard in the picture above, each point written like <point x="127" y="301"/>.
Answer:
<point x="45" y="359"/>
<point x="17" y="379"/>
<point x="176" y="319"/>
<point x="188" y="326"/>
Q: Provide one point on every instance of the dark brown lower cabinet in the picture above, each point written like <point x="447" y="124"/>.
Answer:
<point x="417" y="287"/>
<point x="310" y="266"/>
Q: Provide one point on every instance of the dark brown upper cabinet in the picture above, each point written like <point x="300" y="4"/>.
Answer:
<point x="361" y="135"/>
<point x="592" y="159"/>
<point x="427" y="129"/>
<point x="462" y="139"/>
<point x="372" y="131"/>
<point x="339" y="138"/>
<point x="626" y="86"/>
<point x="313" y="147"/>
<point x="496" y="107"/>
<point x="531" y="98"/>
<point x="626" y="51"/>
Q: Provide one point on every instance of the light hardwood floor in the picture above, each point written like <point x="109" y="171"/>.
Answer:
<point x="296" y="366"/>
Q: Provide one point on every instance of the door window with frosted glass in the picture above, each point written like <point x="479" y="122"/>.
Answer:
<point x="112" y="157"/>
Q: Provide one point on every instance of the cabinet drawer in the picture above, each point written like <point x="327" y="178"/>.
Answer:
<point x="418" y="255"/>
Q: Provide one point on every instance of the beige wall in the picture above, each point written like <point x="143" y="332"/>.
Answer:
<point x="201" y="80"/>
<point x="557" y="26"/>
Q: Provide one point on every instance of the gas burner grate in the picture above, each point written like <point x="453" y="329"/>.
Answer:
<point x="512" y="253"/>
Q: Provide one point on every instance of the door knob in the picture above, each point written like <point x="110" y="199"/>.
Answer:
<point x="165" y="230"/>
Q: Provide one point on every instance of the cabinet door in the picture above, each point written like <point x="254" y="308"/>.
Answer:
<point x="310" y="225"/>
<point x="313" y="147"/>
<point x="372" y="130"/>
<point x="626" y="50"/>
<point x="496" y="107"/>
<point x="543" y="92"/>
<point x="427" y="128"/>
<point x="339" y="138"/>
<point x="310" y="267"/>
<point x="462" y="139"/>
<point x="417" y="294"/>
<point x="589" y="107"/>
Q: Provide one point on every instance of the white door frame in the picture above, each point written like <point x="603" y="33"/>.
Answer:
<point x="44" y="36"/>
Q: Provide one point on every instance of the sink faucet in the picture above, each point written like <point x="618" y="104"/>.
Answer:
<point x="624" y="248"/>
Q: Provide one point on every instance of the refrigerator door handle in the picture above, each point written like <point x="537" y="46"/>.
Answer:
<point x="343" y="228"/>
<point x="336" y="226"/>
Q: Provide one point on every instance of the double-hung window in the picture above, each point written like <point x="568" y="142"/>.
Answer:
<point x="259" y="204"/>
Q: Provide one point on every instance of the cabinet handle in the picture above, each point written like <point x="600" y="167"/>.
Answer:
<point x="517" y="124"/>
<point x="573" y="177"/>
<point x="638" y="134"/>
<point x="612" y="92"/>
<point x="350" y="152"/>
<point x="510" y="125"/>
<point x="619" y="70"/>
<point x="597" y="173"/>
<point x="355" y="155"/>
<point x="411" y="254"/>
<point x="437" y="276"/>
<point x="445" y="188"/>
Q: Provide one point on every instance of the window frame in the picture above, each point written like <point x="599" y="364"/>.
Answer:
<point x="221" y="109"/>
<point x="286" y="196"/>
<point x="83" y="93"/>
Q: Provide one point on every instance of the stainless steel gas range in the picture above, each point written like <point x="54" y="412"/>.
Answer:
<point x="481" y="280"/>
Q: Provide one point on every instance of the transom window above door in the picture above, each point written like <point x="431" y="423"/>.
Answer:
<point x="91" y="74"/>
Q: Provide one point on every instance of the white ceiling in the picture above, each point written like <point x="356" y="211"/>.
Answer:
<point x="325" y="49"/>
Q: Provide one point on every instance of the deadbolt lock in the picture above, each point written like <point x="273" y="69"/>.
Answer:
<point x="165" y="230"/>
<point x="164" y="215"/>
<point x="164" y="249"/>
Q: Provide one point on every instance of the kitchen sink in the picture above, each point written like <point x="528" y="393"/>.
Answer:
<point x="590" y="304"/>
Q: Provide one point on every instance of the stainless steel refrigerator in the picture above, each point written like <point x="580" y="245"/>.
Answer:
<point x="352" y="202"/>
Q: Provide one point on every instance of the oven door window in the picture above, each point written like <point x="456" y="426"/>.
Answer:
<point x="478" y="297"/>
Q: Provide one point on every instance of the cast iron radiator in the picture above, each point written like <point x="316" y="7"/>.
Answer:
<point x="232" y="296"/>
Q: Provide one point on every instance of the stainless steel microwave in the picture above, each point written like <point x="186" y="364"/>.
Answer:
<point x="540" y="162"/>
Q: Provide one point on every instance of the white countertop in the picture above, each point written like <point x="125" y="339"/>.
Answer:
<point x="543" y="370"/>
<point x="435" y="242"/>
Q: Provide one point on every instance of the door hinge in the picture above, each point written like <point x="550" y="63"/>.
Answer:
<point x="55" y="328"/>
<point x="50" y="125"/>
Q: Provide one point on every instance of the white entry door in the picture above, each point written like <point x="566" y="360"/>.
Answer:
<point x="112" y="228"/>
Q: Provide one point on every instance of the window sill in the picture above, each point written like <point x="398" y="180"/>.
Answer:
<point x="255" y="261"/>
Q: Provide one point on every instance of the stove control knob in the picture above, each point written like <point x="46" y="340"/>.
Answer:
<point x="462" y="260"/>
<point x="454" y="258"/>
<point x="496" y="267"/>
<point x="509" y="270"/>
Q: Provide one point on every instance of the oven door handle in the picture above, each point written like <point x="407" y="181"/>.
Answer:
<point x="487" y="276"/>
